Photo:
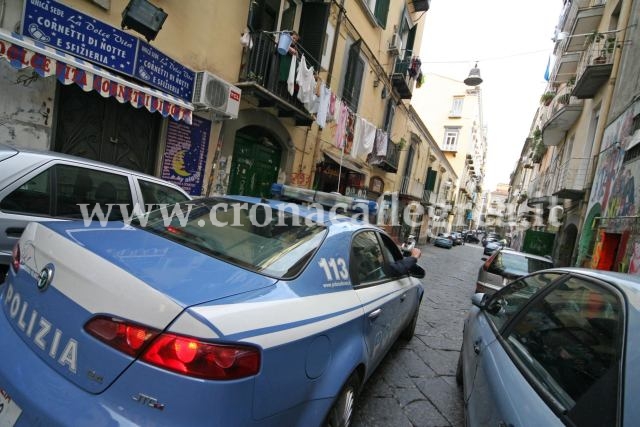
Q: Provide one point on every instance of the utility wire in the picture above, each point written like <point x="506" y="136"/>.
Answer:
<point x="495" y="58"/>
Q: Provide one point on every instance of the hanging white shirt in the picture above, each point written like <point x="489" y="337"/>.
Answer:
<point x="291" y="80"/>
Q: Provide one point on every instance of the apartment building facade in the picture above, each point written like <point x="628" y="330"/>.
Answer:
<point x="581" y="167"/>
<point x="208" y="101"/>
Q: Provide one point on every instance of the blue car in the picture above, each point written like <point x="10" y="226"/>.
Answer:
<point x="554" y="348"/>
<point x="231" y="311"/>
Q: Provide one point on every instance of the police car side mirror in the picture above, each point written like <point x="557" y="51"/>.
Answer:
<point x="417" y="271"/>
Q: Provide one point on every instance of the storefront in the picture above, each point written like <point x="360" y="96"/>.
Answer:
<point x="76" y="85"/>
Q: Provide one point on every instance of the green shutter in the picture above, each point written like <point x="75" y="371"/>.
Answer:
<point x="353" y="77"/>
<point x="381" y="12"/>
<point x="313" y="27"/>
<point x="431" y="180"/>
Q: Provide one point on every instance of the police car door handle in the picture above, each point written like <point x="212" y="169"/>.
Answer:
<point x="14" y="231"/>
<point x="403" y="297"/>
<point x="375" y="313"/>
<point x="476" y="346"/>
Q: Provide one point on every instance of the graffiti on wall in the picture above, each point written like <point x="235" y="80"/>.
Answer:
<point x="614" y="189"/>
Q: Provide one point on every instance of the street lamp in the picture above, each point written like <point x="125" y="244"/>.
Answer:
<point x="474" y="78"/>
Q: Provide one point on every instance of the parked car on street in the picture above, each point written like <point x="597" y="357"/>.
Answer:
<point x="491" y="246"/>
<point x="555" y="348"/>
<point x="241" y="312"/>
<point x="456" y="238"/>
<point x="45" y="185"/>
<point x="443" y="241"/>
<point x="506" y="265"/>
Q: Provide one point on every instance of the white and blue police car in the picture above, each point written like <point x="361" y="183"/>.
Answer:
<point x="230" y="311"/>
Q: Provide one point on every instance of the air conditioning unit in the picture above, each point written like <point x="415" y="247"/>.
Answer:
<point x="395" y="44"/>
<point x="212" y="92"/>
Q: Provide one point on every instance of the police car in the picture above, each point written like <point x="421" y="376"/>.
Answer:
<point x="230" y="311"/>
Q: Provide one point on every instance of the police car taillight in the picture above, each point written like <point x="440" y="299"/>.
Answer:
<point x="15" y="257"/>
<point x="192" y="357"/>
<point x="177" y="353"/>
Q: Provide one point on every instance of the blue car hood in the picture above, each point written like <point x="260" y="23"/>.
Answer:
<point x="185" y="275"/>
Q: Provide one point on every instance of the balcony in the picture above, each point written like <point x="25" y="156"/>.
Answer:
<point x="259" y="78"/>
<point x="389" y="162"/>
<point x="411" y="188"/>
<point x="419" y="5"/>
<point x="573" y="178"/>
<point x="582" y="17"/>
<point x="595" y="67"/>
<point x="561" y="115"/>
<point x="567" y="66"/>
<point x="401" y="78"/>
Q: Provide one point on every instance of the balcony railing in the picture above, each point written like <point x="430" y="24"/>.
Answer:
<point x="560" y="116"/>
<point x="411" y="187"/>
<point x="595" y="66"/>
<point x="261" y="67"/>
<point x="402" y="79"/>
<point x="389" y="162"/>
<point x="573" y="178"/>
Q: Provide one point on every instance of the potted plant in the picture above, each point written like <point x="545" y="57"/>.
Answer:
<point x="547" y="97"/>
<point x="564" y="98"/>
<point x="537" y="134"/>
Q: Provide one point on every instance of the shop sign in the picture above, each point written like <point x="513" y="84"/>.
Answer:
<point x="69" y="30"/>
<point x="185" y="154"/>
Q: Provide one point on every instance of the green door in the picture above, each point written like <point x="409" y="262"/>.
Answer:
<point x="254" y="166"/>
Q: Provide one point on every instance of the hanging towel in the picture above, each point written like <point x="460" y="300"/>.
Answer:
<point x="291" y="80"/>
<point x="367" y="139"/>
<point x="350" y="131"/>
<point x="358" y="127"/>
<point x="381" y="143"/>
<point x="331" y="114"/>
<point x="341" y="123"/>
<point x="323" y="107"/>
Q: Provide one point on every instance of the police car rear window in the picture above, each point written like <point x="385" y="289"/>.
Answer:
<point x="259" y="237"/>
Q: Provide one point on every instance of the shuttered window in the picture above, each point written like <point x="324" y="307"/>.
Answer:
<point x="353" y="77"/>
<point x="430" y="184"/>
<point x="381" y="11"/>
<point x="313" y="29"/>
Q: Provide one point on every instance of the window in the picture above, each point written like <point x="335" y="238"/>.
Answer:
<point x="389" y="113"/>
<point x="456" y="106"/>
<point x="570" y="343"/>
<point x="353" y="77"/>
<point x="80" y="185"/>
<point x="506" y="302"/>
<point x="73" y="186"/>
<point x="451" y="138"/>
<point x="380" y="10"/>
<point x="154" y="194"/>
<point x="368" y="259"/>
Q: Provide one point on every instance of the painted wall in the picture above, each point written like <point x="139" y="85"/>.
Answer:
<point x="615" y="189"/>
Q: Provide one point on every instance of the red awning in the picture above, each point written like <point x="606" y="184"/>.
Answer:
<point x="22" y="52"/>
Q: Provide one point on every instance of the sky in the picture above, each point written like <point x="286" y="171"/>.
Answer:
<point x="511" y="42"/>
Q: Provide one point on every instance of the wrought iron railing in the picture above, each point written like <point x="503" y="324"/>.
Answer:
<point x="261" y="64"/>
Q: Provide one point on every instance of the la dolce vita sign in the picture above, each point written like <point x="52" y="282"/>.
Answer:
<point x="69" y="30"/>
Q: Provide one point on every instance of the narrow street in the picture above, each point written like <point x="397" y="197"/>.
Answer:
<point x="415" y="384"/>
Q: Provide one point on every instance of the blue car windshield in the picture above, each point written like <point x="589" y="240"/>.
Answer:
<point x="258" y="236"/>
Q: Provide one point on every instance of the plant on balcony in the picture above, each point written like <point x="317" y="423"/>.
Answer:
<point x="521" y="197"/>
<point x="564" y="98"/>
<point x="547" y="97"/>
<point x="538" y="152"/>
<point x="537" y="135"/>
<point x="402" y="143"/>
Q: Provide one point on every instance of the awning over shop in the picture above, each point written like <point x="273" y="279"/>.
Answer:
<point x="22" y="52"/>
<point x="345" y="162"/>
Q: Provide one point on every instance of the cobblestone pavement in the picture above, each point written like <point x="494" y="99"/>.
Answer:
<point x="415" y="384"/>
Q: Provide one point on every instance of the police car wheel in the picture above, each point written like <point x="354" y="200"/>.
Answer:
<point x="341" y="412"/>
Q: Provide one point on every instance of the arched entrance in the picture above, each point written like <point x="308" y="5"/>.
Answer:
<point x="567" y="244"/>
<point x="255" y="162"/>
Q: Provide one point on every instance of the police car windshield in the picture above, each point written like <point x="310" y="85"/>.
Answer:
<point x="257" y="236"/>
